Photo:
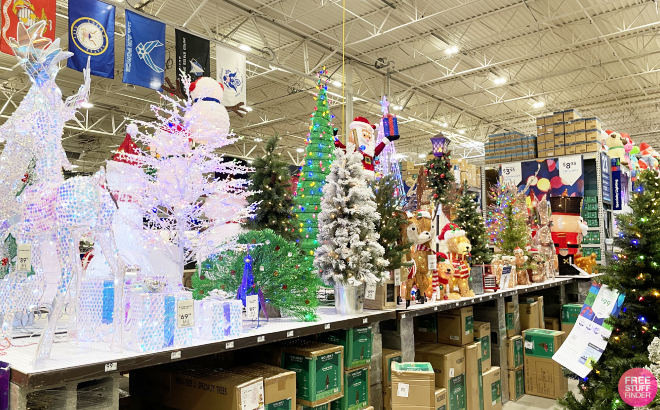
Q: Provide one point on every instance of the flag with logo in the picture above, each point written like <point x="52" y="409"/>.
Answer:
<point x="28" y="12"/>
<point x="92" y="35"/>
<point x="193" y="56"/>
<point x="144" y="53"/>
<point x="231" y="73"/>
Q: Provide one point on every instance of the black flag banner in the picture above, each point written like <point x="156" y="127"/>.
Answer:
<point x="193" y="56"/>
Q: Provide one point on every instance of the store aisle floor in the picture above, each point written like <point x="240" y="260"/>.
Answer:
<point x="528" y="402"/>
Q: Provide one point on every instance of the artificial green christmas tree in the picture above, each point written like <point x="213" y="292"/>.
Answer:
<point x="388" y="206"/>
<point x="270" y="186"/>
<point x="283" y="274"/>
<point x="316" y="166"/>
<point x="470" y="219"/>
<point x="440" y="177"/>
<point x="634" y="270"/>
<point x="506" y="222"/>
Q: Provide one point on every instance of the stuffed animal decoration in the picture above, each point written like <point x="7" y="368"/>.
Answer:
<point x="521" y="269"/>
<point x="419" y="233"/>
<point x="459" y="249"/>
<point x="615" y="148"/>
<point x="441" y="279"/>
<point x="496" y="267"/>
<point x="509" y="265"/>
<point x="567" y="228"/>
<point x="536" y="266"/>
<point x="587" y="263"/>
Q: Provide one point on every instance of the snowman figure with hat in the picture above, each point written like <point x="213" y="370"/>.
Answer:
<point x="363" y="139"/>
<point x="207" y="118"/>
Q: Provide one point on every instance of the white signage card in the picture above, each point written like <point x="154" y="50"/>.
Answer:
<point x="432" y="262"/>
<point x="402" y="389"/>
<point x="397" y="277"/>
<point x="570" y="169"/>
<point x="24" y="257"/>
<point x="252" y="306"/>
<point x="605" y="301"/>
<point x="252" y="396"/>
<point x="370" y="292"/>
<point x="512" y="173"/>
<point x="185" y="313"/>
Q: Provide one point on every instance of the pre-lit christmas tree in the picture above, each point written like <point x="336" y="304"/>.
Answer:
<point x="316" y="166"/>
<point x="349" y="252"/>
<point x="468" y="217"/>
<point x="506" y="223"/>
<point x="440" y="175"/>
<point x="388" y="206"/>
<point x="283" y="275"/>
<point x="634" y="271"/>
<point x="270" y="185"/>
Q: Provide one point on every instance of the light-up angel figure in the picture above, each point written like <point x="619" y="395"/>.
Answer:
<point x="51" y="214"/>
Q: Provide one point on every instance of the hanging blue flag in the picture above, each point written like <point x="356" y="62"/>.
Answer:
<point x="144" y="56"/>
<point x="92" y="34"/>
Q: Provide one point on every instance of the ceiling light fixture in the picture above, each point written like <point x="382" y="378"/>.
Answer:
<point x="245" y="47"/>
<point x="336" y="83"/>
<point x="538" y="104"/>
<point x="461" y="132"/>
<point x="87" y="104"/>
<point x="452" y="50"/>
<point x="248" y="109"/>
<point x="258" y="139"/>
<point x="300" y="150"/>
<point x="444" y="124"/>
<point x="421" y="156"/>
<point x="397" y="108"/>
<point x="500" y="80"/>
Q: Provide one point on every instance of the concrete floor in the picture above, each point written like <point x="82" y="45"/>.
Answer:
<point x="528" y="402"/>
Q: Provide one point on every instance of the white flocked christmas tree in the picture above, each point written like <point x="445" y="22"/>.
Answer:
<point x="349" y="252"/>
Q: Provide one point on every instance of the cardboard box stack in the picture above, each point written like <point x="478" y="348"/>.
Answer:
<point x="473" y="376"/>
<point x="413" y="386"/>
<point x="457" y="326"/>
<point x="552" y="323"/>
<point x="567" y="133"/>
<point x="279" y="385"/>
<point x="493" y="389"/>
<point x="531" y="312"/>
<point x="543" y="376"/>
<point x="448" y="363"/>
<point x="509" y="147"/>
<point x="514" y="346"/>
<point x="357" y="343"/>
<point x="569" y="315"/>
<point x="356" y="390"/>
<point x="466" y="172"/>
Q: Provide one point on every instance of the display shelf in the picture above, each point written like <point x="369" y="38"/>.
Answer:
<point x="432" y="307"/>
<point x="70" y="362"/>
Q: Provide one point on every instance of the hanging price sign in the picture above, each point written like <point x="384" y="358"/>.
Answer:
<point x="185" y="313"/>
<point x="24" y="257"/>
<point x="252" y="306"/>
<point x="512" y="173"/>
<point x="570" y="169"/>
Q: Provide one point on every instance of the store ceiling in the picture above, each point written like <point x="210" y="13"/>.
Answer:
<point x="447" y="58"/>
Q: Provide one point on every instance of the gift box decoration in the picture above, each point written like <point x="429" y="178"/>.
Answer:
<point x="95" y="310"/>
<point x="390" y="126"/>
<point x="218" y="319"/>
<point x="150" y="322"/>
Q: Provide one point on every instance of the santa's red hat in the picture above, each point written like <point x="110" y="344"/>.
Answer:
<point x="451" y="230"/>
<point x="608" y="132"/>
<point x="128" y="147"/>
<point x="362" y="123"/>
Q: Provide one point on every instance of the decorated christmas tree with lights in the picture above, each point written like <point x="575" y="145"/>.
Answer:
<point x="634" y="271"/>
<point x="506" y="222"/>
<point x="315" y="167"/>
<point x="440" y="175"/>
<point x="468" y="217"/>
<point x="388" y="206"/>
<point x="271" y="188"/>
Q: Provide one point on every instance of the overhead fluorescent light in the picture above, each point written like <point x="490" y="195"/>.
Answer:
<point x="452" y="50"/>
<point x="336" y="83"/>
<point x="538" y="104"/>
<point x="397" y="108"/>
<point x="258" y="139"/>
<point x="87" y="104"/>
<point x="75" y="166"/>
<point x="444" y="124"/>
<point x="245" y="47"/>
<point x="248" y="109"/>
<point x="300" y="150"/>
<point x="500" y="80"/>
<point x="461" y="132"/>
<point x="421" y="156"/>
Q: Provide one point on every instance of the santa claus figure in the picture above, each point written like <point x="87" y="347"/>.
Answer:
<point x="207" y="118"/>
<point x="363" y="138"/>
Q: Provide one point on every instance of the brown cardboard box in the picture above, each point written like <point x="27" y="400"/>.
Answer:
<point x="569" y="127"/>
<point x="514" y="352"/>
<point x="279" y="384"/>
<point x="591" y="146"/>
<point x="448" y="361"/>
<point x="559" y="140"/>
<point x="473" y="371"/>
<point x="591" y="135"/>
<point x="592" y="123"/>
<point x="493" y="389"/>
<point x="413" y="386"/>
<point x="482" y="334"/>
<point x="543" y="376"/>
<point x="387" y="398"/>
<point x="560" y="150"/>
<point x="570" y="115"/>
<point x="549" y="120"/>
<point x="510" y="319"/>
<point x="580" y="136"/>
<point x="550" y="129"/>
<point x="569" y="139"/>
<point x="540" y="129"/>
<point x="516" y="383"/>
<point x="578" y="124"/>
<point x="440" y="399"/>
<point x="569" y="149"/>
<point x="389" y="356"/>
<point x="558" y="117"/>
<point x="425" y="328"/>
<point x="550" y="145"/>
<point x="529" y="316"/>
<point x="530" y="299"/>
<point x="187" y="387"/>
<point x="551" y="323"/>
<point x="559" y="128"/>
<point x="580" y="148"/>
<point x="540" y="121"/>
<point x="457" y="326"/>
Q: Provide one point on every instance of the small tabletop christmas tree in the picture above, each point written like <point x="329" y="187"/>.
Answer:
<point x="349" y="252"/>
<point x="388" y="206"/>
<point x="315" y="167"/>
<point x="470" y="219"/>
<point x="270" y="186"/>
<point x="634" y="271"/>
<point x="506" y="222"/>
<point x="283" y="275"/>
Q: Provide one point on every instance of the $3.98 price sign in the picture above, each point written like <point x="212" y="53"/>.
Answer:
<point x="185" y="313"/>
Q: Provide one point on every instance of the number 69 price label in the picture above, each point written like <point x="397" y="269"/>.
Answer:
<point x="185" y="313"/>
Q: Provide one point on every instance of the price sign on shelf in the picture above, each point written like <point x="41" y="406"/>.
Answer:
<point x="370" y="292"/>
<point x="512" y="173"/>
<point x="185" y="313"/>
<point x="252" y="306"/>
<point x="397" y="277"/>
<point x="24" y="257"/>
<point x="570" y="169"/>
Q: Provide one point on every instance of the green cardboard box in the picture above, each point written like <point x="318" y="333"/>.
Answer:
<point x="426" y="328"/>
<point x="516" y="383"/>
<point x="482" y="334"/>
<point x="325" y="406"/>
<point x="356" y="390"/>
<point x="457" y="399"/>
<point x="542" y="342"/>
<point x="510" y="319"/>
<point x="569" y="315"/>
<point x="514" y="348"/>
<point x="357" y="344"/>
<point x="319" y="371"/>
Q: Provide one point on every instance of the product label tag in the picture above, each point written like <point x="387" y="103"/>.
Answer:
<point x="252" y="306"/>
<point x="370" y="292"/>
<point x="402" y="390"/>
<point x="432" y="262"/>
<point x="185" y="313"/>
<point x="252" y="396"/>
<point x="24" y="257"/>
<point x="397" y="277"/>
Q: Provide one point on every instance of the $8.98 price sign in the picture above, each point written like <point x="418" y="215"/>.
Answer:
<point x="185" y="313"/>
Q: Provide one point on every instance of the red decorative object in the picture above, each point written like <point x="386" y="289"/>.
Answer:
<point x="285" y="287"/>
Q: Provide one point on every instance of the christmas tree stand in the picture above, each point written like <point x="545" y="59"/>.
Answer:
<point x="349" y="299"/>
